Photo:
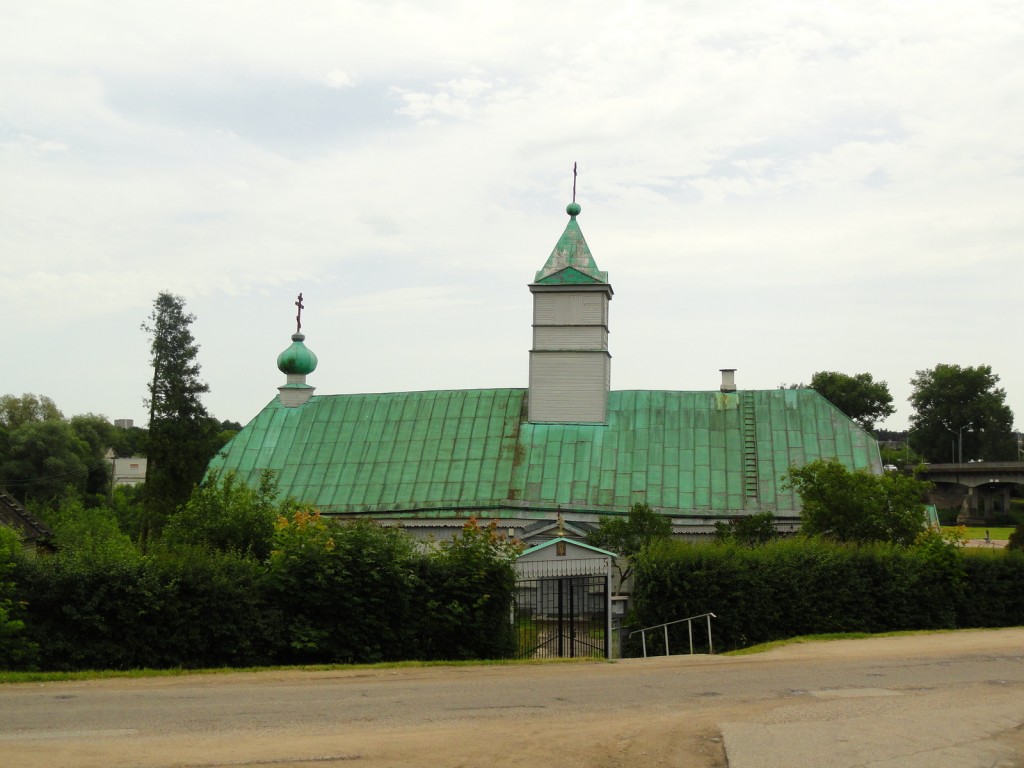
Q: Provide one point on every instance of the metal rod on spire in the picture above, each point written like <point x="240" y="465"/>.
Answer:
<point x="298" y="317"/>
<point x="574" y="182"/>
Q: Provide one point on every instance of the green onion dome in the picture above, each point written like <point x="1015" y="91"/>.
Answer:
<point x="297" y="359"/>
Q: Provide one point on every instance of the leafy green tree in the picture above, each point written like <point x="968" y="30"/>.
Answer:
<point x="42" y="454"/>
<point x="225" y="514"/>
<point x="749" y="530"/>
<point x="628" y="536"/>
<point x="127" y="504"/>
<point x="132" y="441"/>
<point x="15" y="411"/>
<point x="181" y="433"/>
<point x="859" y="396"/>
<point x="899" y="455"/>
<point x="858" y="506"/>
<point x="43" y="459"/>
<point x="97" y="433"/>
<point x="960" y="411"/>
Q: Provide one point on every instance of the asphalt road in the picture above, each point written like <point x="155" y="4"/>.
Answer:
<point x="942" y="700"/>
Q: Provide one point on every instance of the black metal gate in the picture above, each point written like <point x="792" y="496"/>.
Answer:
<point x="565" y="616"/>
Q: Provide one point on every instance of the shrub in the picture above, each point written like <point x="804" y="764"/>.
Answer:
<point x="330" y="592"/>
<point x="858" y="506"/>
<point x="469" y="583"/>
<point x="795" y="587"/>
<point x="346" y="589"/>
<point x="993" y="594"/>
<point x="162" y="610"/>
<point x="751" y="530"/>
<point x="1016" y="541"/>
<point x="227" y="515"/>
<point x="17" y="651"/>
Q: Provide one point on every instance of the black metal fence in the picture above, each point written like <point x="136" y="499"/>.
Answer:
<point x="565" y="616"/>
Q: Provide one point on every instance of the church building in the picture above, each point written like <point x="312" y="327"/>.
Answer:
<point x="566" y="448"/>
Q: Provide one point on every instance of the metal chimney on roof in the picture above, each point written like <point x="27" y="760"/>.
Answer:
<point x="728" y="379"/>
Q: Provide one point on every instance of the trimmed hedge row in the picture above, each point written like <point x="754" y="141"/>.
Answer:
<point x="994" y="590"/>
<point x="801" y="587"/>
<point x="359" y="594"/>
<point x="332" y="594"/>
<point x="155" y="612"/>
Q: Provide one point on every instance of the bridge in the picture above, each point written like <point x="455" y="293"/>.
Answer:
<point x="988" y="485"/>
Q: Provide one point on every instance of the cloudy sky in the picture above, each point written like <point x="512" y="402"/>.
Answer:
<point x="779" y="187"/>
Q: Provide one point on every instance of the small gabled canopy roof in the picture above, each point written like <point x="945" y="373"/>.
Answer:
<point x="569" y="542"/>
<point x="571" y="262"/>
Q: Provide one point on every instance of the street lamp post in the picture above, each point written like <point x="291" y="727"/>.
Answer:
<point x="957" y="448"/>
<point x="960" y="441"/>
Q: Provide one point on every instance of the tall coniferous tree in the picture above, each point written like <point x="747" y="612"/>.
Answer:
<point x="180" y="429"/>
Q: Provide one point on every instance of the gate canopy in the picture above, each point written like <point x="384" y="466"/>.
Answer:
<point x="563" y="557"/>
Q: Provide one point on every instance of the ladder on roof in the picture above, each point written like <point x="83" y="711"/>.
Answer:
<point x="749" y="419"/>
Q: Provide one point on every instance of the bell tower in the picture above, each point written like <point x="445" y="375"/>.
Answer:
<point x="570" y="367"/>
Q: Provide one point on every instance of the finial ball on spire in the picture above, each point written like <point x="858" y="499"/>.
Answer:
<point x="573" y="209"/>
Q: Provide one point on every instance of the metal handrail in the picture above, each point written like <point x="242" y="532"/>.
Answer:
<point x="689" y="627"/>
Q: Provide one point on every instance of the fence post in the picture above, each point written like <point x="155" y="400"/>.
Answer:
<point x="608" y="612"/>
<point x="711" y="648"/>
<point x="666" y="640"/>
<point x="643" y="641"/>
<point x="689" y="628"/>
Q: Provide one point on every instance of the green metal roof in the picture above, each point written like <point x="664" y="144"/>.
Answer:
<point x="570" y="261"/>
<point x="435" y="453"/>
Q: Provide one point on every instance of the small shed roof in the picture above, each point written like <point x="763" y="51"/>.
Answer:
<point x="15" y="516"/>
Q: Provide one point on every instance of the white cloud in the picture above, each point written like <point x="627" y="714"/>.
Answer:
<point x="338" y="79"/>
<point x="401" y="301"/>
<point x="401" y="157"/>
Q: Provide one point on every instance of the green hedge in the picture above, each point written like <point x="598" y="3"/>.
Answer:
<point x="183" y="610"/>
<point x="800" y="587"/>
<point x="994" y="589"/>
<point x="330" y="593"/>
<point x="355" y="593"/>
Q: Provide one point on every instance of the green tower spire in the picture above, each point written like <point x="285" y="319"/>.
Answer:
<point x="571" y="262"/>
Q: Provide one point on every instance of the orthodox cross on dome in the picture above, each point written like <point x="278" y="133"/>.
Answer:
<point x="298" y="317"/>
<point x="574" y="182"/>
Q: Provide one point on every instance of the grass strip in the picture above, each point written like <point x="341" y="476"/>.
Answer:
<point x="978" y="532"/>
<point x="106" y="674"/>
